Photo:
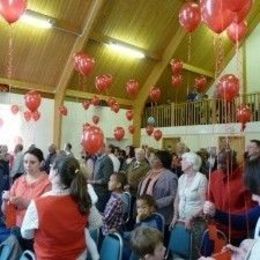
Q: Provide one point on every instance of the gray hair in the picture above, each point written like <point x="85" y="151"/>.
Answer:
<point x="194" y="159"/>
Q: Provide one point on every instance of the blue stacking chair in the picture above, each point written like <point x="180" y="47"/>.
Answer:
<point x="5" y="252"/>
<point x="161" y="217"/>
<point x="180" y="242"/>
<point x="28" y="255"/>
<point x="112" y="247"/>
<point x="127" y="198"/>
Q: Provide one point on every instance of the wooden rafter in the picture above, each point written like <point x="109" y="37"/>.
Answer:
<point x="68" y="69"/>
<point x="152" y="80"/>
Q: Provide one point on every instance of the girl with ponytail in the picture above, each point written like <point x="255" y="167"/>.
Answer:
<point x="57" y="220"/>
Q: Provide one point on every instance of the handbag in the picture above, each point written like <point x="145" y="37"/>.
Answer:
<point x="95" y="219"/>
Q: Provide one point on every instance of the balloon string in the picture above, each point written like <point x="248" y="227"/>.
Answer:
<point x="189" y="59"/>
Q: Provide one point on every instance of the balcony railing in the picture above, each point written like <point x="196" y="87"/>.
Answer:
<point x="207" y="111"/>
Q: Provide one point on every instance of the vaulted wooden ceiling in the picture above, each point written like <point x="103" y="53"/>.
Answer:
<point x="41" y="59"/>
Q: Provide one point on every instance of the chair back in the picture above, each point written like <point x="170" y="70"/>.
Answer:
<point x="162" y="220"/>
<point x="112" y="247"/>
<point x="127" y="199"/>
<point x="5" y="251"/>
<point x="28" y="255"/>
<point x="180" y="242"/>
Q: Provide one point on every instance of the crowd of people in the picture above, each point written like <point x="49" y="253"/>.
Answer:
<point x="54" y="203"/>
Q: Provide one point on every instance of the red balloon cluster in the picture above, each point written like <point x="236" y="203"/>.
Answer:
<point x="200" y="83"/>
<point x="155" y="94"/>
<point x="237" y="31"/>
<point x="129" y="115"/>
<point x="244" y="115"/>
<point x="63" y="111"/>
<point x="14" y="109"/>
<point x="32" y="100"/>
<point x="131" y="129"/>
<point x="86" y="104"/>
<point x="132" y="87"/>
<point x="157" y="134"/>
<point x="111" y="101"/>
<point x="92" y="139"/>
<point x="95" y="101"/>
<point x="115" y="107"/>
<point x="119" y="133"/>
<point x="149" y="129"/>
<point x="12" y="10"/>
<point x="103" y="82"/>
<point x="28" y="115"/>
<point x="189" y="16"/>
<point x="228" y="87"/>
<point x="95" y="119"/>
<point x="83" y="63"/>
<point x="177" y="68"/>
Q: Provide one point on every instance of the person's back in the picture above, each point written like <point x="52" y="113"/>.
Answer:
<point x="59" y="237"/>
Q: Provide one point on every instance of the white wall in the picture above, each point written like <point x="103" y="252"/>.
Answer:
<point x="197" y="137"/>
<point x="252" y="64"/>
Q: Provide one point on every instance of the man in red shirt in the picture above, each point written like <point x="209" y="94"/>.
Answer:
<point x="227" y="194"/>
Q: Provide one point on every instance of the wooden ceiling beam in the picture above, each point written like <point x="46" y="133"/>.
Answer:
<point x="22" y="85"/>
<point x="68" y="69"/>
<point x="86" y="95"/>
<point x="152" y="80"/>
<point x="198" y="70"/>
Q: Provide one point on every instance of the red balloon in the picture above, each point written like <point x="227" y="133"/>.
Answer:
<point x="1" y="122"/>
<point x="32" y="100"/>
<point x="149" y="129"/>
<point x="129" y="115"/>
<point x="119" y="133"/>
<point x="189" y="16"/>
<point x="155" y="94"/>
<point x="157" y="134"/>
<point x="177" y="66"/>
<point x="228" y="87"/>
<point x="241" y="15"/>
<point x="177" y="80"/>
<point x="215" y="14"/>
<point x="132" y="87"/>
<point x="201" y="83"/>
<point x="237" y="32"/>
<point x="115" y="107"/>
<point x="244" y="115"/>
<point x="92" y="139"/>
<point x="27" y="115"/>
<point x="83" y="63"/>
<point x="103" y="82"/>
<point x="86" y="104"/>
<point x="14" y="109"/>
<point x="235" y="5"/>
<point x="63" y="110"/>
<point x="36" y="115"/>
<point x="12" y="10"/>
<point x="85" y="126"/>
<point x="95" y="101"/>
<point x="131" y="129"/>
<point x="111" y="101"/>
<point x="95" y="119"/>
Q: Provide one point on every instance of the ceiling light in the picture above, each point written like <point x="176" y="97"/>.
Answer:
<point x="36" y="21"/>
<point x="125" y="50"/>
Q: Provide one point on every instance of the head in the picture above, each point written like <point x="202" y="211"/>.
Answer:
<point x="139" y="154"/>
<point x="68" y="147"/>
<point x="18" y="148"/>
<point x="33" y="161"/>
<point x="203" y="153"/>
<point x="67" y="174"/>
<point x="117" y="182"/>
<point x="4" y="149"/>
<point x="253" y="149"/>
<point x="110" y="149"/>
<point x="130" y="151"/>
<point x="226" y="160"/>
<point x="175" y="161"/>
<point x="162" y="159"/>
<point x="181" y="148"/>
<point x="145" y="206"/>
<point x="116" y="151"/>
<point x="52" y="148"/>
<point x="252" y="178"/>
<point x="147" y="243"/>
<point x="191" y="162"/>
<point x="101" y="150"/>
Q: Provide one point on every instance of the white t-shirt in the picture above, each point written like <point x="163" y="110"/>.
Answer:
<point x="115" y="161"/>
<point x="191" y="194"/>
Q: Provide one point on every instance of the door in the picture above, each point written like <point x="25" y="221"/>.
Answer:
<point x="169" y="144"/>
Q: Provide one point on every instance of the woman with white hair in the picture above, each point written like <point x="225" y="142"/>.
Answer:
<point x="191" y="195"/>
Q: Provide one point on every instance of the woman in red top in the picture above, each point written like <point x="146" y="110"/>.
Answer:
<point x="57" y="221"/>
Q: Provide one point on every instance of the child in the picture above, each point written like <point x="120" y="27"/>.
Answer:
<point x="147" y="243"/>
<point x="145" y="207"/>
<point x="114" y="211"/>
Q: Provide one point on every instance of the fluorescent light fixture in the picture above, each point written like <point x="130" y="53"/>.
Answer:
<point x="127" y="51"/>
<point x="36" y="21"/>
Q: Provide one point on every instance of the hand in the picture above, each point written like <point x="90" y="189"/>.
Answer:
<point x="174" y="221"/>
<point x="209" y="208"/>
<point x="188" y="223"/>
<point x="19" y="202"/>
<point x="6" y="195"/>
